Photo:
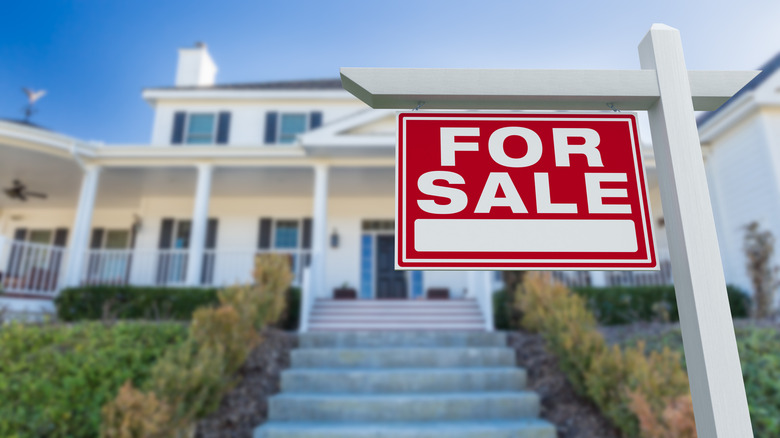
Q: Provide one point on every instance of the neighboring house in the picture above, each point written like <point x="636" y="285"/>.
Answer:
<point x="741" y="147"/>
<point x="233" y="170"/>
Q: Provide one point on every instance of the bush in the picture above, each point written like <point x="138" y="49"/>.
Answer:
<point x="759" y="352"/>
<point x="628" y="386"/>
<point x="190" y="380"/>
<point x="131" y="302"/>
<point x="500" y="311"/>
<point x="55" y="378"/>
<point x="625" y="305"/>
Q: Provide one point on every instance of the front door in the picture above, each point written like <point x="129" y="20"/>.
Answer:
<point x="389" y="282"/>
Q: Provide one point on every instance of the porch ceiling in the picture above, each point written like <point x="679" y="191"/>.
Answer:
<point x="57" y="176"/>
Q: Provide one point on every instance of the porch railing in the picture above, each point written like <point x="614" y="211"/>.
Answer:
<point x="31" y="268"/>
<point x="169" y="267"/>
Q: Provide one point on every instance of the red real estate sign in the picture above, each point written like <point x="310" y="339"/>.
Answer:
<point x="521" y="191"/>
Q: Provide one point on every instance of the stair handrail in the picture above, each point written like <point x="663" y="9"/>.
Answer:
<point x="306" y="300"/>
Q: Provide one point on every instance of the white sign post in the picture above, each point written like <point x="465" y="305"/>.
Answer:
<point x="670" y="94"/>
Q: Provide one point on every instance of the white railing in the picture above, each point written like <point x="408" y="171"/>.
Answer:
<point x="168" y="267"/>
<point x="31" y="268"/>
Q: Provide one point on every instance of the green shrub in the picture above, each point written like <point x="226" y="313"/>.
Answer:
<point x="55" y="378"/>
<point x="759" y="353"/>
<point x="634" y="390"/>
<point x="191" y="379"/>
<point x="625" y="305"/>
<point x="131" y="302"/>
<point x="500" y="311"/>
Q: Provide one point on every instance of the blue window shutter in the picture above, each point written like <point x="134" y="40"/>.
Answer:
<point x="315" y="120"/>
<point x="271" y="118"/>
<point x="177" y="137"/>
<point x="223" y="127"/>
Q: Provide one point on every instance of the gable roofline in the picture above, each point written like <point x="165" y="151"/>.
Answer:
<point x="304" y="84"/>
<point x="767" y="70"/>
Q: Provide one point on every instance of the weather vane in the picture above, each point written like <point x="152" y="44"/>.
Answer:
<point x="32" y="97"/>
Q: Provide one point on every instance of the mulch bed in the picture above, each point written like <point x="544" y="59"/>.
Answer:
<point x="246" y="406"/>
<point x="572" y="415"/>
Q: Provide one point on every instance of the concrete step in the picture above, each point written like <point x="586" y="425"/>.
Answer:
<point x="395" y="317"/>
<point x="403" y="339"/>
<point x="470" y="310"/>
<point x="403" y="407"/>
<point x="401" y="303"/>
<point x="523" y="428"/>
<point x="340" y="326"/>
<point x="402" y="380"/>
<point x="402" y="357"/>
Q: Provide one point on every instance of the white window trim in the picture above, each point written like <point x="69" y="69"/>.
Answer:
<point x="214" y="127"/>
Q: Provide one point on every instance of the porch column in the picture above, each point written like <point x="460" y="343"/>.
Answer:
<point x="598" y="278"/>
<point x="82" y="225"/>
<point x="319" y="229"/>
<point x="200" y="216"/>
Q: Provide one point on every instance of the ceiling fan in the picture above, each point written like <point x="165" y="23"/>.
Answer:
<point x="19" y="191"/>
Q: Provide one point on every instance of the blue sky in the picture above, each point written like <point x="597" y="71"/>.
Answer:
<point x="95" y="57"/>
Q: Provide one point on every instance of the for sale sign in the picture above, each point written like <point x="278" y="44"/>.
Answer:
<point x="521" y="191"/>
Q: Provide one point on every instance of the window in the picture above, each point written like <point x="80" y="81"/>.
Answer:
<point x="284" y="128"/>
<point x="117" y="239"/>
<point x="182" y="234"/>
<point x="286" y="234"/>
<point x="41" y="236"/>
<point x="200" y="129"/>
<point x="291" y="126"/>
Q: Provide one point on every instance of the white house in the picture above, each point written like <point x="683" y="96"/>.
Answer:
<point x="741" y="146"/>
<point x="232" y="170"/>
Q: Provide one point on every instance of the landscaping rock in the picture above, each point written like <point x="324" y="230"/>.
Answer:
<point x="246" y="406"/>
<point x="573" y="416"/>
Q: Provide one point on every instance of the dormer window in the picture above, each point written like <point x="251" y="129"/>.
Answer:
<point x="290" y="126"/>
<point x="200" y="129"/>
<point x="284" y="127"/>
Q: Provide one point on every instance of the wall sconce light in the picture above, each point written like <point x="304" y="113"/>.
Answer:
<point x="334" y="239"/>
<point x="137" y="224"/>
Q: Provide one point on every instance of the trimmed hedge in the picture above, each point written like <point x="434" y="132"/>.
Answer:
<point x="132" y="302"/>
<point x="55" y="378"/>
<point x="624" y="305"/>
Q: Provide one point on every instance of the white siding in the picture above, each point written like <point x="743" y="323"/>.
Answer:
<point x="743" y="188"/>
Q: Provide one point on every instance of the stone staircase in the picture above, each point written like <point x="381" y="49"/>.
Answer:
<point x="404" y="385"/>
<point x="345" y="315"/>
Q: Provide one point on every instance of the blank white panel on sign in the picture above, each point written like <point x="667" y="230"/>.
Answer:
<point x="524" y="235"/>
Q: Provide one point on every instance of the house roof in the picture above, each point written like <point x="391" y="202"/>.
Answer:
<point x="767" y="70"/>
<point x="24" y="123"/>
<point x="305" y="84"/>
